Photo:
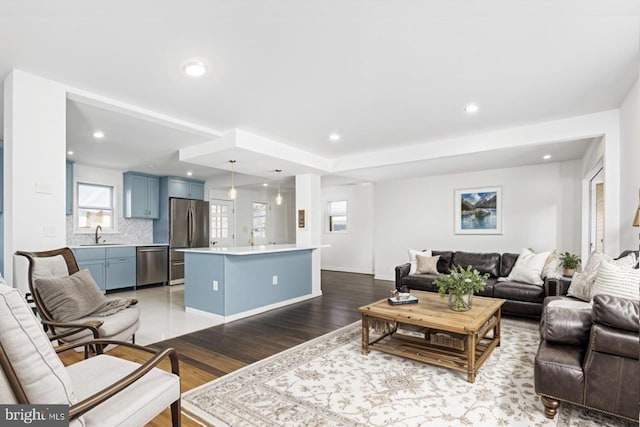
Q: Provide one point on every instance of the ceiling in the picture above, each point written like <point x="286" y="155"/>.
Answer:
<point x="384" y="75"/>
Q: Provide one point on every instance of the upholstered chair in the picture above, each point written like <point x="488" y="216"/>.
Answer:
<point x="100" y="391"/>
<point x="120" y="326"/>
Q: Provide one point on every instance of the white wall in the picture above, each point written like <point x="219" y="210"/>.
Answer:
<point x="351" y="251"/>
<point x="34" y="169"/>
<point x="541" y="210"/>
<point x="629" y="166"/>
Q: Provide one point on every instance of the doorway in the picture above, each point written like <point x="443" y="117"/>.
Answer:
<point x="596" y="212"/>
<point x="221" y="222"/>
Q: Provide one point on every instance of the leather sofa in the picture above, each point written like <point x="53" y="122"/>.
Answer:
<point x="588" y="355"/>
<point x="522" y="299"/>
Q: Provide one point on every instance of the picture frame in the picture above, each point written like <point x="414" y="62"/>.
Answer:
<point x="478" y="210"/>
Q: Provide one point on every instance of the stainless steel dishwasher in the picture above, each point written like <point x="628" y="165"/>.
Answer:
<point x="151" y="265"/>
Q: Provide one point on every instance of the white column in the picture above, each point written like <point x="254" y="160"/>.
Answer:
<point x="308" y="199"/>
<point x="34" y="169"/>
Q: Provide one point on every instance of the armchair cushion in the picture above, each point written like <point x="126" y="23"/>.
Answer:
<point x="49" y="267"/>
<point x="37" y="366"/>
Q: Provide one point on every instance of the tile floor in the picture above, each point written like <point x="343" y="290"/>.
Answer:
<point x="163" y="314"/>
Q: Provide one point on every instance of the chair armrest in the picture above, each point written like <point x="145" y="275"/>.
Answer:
<point x="617" y="312"/>
<point x="92" y="325"/>
<point x="554" y="287"/>
<point x="91" y="402"/>
<point x="402" y="271"/>
<point x="566" y="321"/>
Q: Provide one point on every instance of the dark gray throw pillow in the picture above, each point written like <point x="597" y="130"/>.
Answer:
<point x="70" y="297"/>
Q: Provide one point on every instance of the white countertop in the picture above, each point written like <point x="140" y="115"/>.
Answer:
<point x="252" y="250"/>
<point x="114" y="245"/>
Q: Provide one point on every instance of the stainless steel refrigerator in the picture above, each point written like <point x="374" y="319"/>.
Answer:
<point x="188" y="228"/>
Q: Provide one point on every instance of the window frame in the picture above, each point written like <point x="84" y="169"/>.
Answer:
<point x="76" y="208"/>
<point x="329" y="216"/>
<point x="266" y="220"/>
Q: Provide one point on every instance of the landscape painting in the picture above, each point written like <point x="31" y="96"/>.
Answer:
<point x="478" y="211"/>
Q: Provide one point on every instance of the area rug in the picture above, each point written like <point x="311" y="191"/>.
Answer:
<point x="327" y="382"/>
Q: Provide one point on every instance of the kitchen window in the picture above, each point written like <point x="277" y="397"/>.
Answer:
<point x="259" y="220"/>
<point x="95" y="207"/>
<point x="337" y="216"/>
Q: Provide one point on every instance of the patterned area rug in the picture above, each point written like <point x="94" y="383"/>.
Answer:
<point x="328" y="382"/>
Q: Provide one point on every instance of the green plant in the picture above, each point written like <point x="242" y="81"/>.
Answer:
<point x="569" y="260"/>
<point x="461" y="281"/>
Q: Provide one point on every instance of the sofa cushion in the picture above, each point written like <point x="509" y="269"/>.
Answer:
<point x="421" y="282"/>
<point x="519" y="291"/>
<point x="488" y="288"/>
<point x="483" y="262"/>
<point x="566" y="320"/>
<point x="507" y="261"/>
<point x="444" y="263"/>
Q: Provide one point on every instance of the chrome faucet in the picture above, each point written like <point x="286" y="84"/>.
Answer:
<point x="98" y="236"/>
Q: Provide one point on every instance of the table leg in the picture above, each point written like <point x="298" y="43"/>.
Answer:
<point x="496" y="329"/>
<point x="471" y="358"/>
<point x="365" y="334"/>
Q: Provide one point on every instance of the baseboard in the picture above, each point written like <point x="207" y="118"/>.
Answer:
<point x="389" y="278"/>
<point x="273" y="306"/>
<point x="346" y="270"/>
<point x="204" y="313"/>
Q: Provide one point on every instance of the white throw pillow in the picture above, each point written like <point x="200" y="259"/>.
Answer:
<point x="413" y="261"/>
<point x="619" y="281"/>
<point x="582" y="282"/>
<point x="427" y="264"/>
<point x="552" y="267"/>
<point x="528" y="267"/>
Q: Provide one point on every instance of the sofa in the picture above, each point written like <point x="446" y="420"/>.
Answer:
<point x="588" y="355"/>
<point x="522" y="299"/>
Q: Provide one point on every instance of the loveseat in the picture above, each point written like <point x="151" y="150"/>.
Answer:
<point x="522" y="299"/>
<point x="588" y="355"/>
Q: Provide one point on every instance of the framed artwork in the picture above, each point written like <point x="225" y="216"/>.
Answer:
<point x="478" y="211"/>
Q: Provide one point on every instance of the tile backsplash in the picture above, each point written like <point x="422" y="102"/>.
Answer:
<point x="129" y="231"/>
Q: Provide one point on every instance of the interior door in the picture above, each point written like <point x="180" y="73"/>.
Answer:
<point x="596" y="212"/>
<point x="221" y="222"/>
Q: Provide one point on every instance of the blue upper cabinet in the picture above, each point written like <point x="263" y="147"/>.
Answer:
<point x="186" y="188"/>
<point x="141" y="195"/>
<point x="69" y="188"/>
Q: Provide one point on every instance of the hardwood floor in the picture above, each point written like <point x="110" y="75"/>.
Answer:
<point x="213" y="352"/>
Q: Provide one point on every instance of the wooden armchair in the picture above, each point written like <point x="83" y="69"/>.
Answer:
<point x="101" y="390"/>
<point x="62" y="262"/>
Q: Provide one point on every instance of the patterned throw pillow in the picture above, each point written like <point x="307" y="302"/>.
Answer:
<point x="618" y="281"/>
<point x="427" y="264"/>
<point x="582" y="282"/>
<point x="413" y="261"/>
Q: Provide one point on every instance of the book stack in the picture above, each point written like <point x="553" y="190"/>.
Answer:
<point x="397" y="301"/>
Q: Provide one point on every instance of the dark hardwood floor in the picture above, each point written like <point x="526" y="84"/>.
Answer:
<point x="248" y="340"/>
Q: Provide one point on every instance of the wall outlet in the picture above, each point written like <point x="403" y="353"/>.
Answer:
<point x="215" y="285"/>
<point x="274" y="280"/>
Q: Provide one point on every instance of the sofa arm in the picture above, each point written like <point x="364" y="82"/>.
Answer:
<point x="556" y="286"/>
<point x="566" y="321"/>
<point x="617" y="312"/>
<point x="402" y="271"/>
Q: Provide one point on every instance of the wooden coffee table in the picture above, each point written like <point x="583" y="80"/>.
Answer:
<point x="470" y="343"/>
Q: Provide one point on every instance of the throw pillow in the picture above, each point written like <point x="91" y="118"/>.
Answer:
<point x="619" y="281"/>
<point x="552" y="267"/>
<point x="70" y="297"/>
<point x="582" y="282"/>
<point x="413" y="261"/>
<point x="427" y="264"/>
<point x="528" y="268"/>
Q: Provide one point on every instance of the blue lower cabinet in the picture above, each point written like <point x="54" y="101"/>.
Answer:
<point x="121" y="273"/>
<point x="97" y="270"/>
<point x="111" y="268"/>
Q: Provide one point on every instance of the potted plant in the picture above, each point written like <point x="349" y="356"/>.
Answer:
<point x="569" y="263"/>
<point x="460" y="285"/>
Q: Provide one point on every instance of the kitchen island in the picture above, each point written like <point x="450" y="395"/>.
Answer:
<point x="236" y="282"/>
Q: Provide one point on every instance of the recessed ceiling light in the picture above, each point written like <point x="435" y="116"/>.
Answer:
<point x="152" y="166"/>
<point x="189" y="173"/>
<point x="546" y="156"/>
<point x="265" y="184"/>
<point x="334" y="137"/>
<point x="471" y="108"/>
<point x="70" y="152"/>
<point x="98" y="134"/>
<point x="194" y="68"/>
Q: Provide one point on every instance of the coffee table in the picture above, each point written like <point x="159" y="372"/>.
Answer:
<point x="469" y="329"/>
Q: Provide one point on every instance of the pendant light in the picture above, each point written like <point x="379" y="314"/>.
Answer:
<point x="232" y="191"/>
<point x="278" y="196"/>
